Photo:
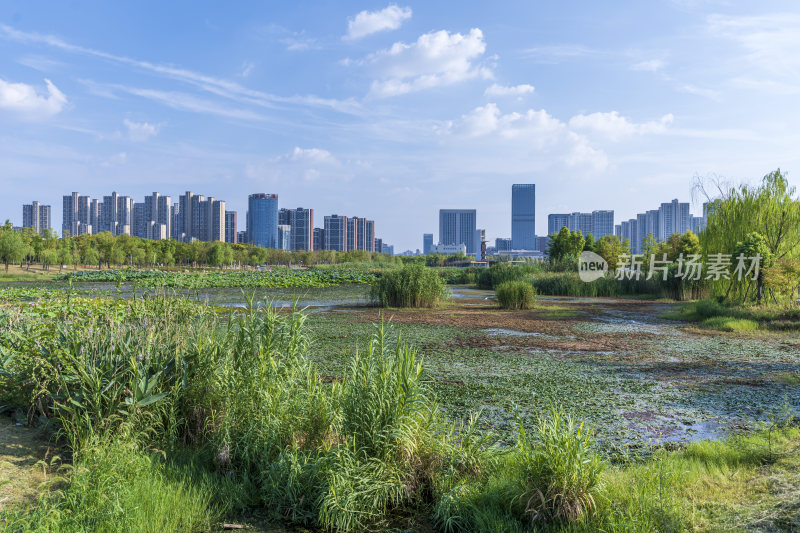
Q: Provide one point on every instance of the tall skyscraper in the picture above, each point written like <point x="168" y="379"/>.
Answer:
<point x="523" y="216"/>
<point x="427" y="243"/>
<point x="231" y="227"/>
<point x="110" y="213"/>
<point x="555" y="222"/>
<point x="211" y="220"/>
<point x="457" y="226"/>
<point x="84" y="216"/>
<point x="96" y="216"/>
<point x="336" y="233"/>
<point x="262" y="220"/>
<point x="36" y="216"/>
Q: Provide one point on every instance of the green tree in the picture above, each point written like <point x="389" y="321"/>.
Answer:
<point x="610" y="247"/>
<point x="753" y="246"/>
<point x="12" y="247"/>
<point x="565" y="246"/>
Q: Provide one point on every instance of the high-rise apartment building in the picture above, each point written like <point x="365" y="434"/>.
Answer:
<point x="96" y="216"/>
<point x="523" y="216"/>
<point x="673" y="217"/>
<point x="302" y="222"/>
<point x="335" y="228"/>
<point x="457" y="226"/>
<point x="427" y="243"/>
<point x="319" y="239"/>
<point x="211" y="220"/>
<point x="369" y="235"/>
<point x="378" y="245"/>
<point x="598" y="223"/>
<point x="231" y="227"/>
<point x="69" y="223"/>
<point x="36" y="216"/>
<point x="262" y="220"/>
<point x="356" y="233"/>
<point x="284" y="237"/>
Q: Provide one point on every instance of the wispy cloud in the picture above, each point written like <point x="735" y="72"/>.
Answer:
<point x="369" y="22"/>
<point x="218" y="86"/>
<point x="514" y="90"/>
<point x="141" y="131"/>
<point x="650" y="65"/>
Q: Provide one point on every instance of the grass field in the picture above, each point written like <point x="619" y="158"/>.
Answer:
<point x="652" y="390"/>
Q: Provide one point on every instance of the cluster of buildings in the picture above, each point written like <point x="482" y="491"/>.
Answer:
<point x="197" y="218"/>
<point x="671" y="217"/>
<point x="458" y="230"/>
<point x="269" y="226"/>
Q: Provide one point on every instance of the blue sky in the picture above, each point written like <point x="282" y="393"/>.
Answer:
<point x="393" y="111"/>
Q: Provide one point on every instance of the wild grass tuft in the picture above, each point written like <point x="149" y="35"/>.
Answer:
<point x="515" y="295"/>
<point x="411" y="286"/>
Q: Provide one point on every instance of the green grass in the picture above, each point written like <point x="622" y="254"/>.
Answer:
<point x="515" y="295"/>
<point x="724" y="323"/>
<point x="177" y="417"/>
<point x="410" y="286"/>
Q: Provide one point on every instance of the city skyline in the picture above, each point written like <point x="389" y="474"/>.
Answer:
<point x="421" y="108"/>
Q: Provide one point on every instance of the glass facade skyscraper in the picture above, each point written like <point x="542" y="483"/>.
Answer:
<point x="523" y="216"/>
<point x="262" y="220"/>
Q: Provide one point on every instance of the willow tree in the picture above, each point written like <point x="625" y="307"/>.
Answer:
<point x="770" y="209"/>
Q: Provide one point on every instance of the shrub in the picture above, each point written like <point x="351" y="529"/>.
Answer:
<point x="501" y="272"/>
<point x="413" y="285"/>
<point x="559" y="468"/>
<point x="515" y="295"/>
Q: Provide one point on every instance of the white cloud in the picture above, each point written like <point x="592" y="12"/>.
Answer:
<point x="313" y="155"/>
<point x="514" y="90"/>
<point x="369" y="22"/>
<point x="141" y="131"/>
<point x="651" y="65"/>
<point x="25" y="100"/>
<point x="690" y="88"/>
<point x="533" y="130"/>
<point x="614" y="126"/>
<point x="435" y="59"/>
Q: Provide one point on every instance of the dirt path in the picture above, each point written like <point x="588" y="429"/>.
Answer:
<point x="21" y="448"/>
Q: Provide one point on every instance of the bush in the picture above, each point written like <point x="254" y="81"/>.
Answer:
<point x="501" y="272"/>
<point x="515" y="295"/>
<point x="560" y="469"/>
<point x="413" y="285"/>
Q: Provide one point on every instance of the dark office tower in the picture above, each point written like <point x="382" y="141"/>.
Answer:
<point x="336" y="233"/>
<point x="69" y="220"/>
<point x="262" y="220"/>
<point x="36" y="216"/>
<point x="302" y="222"/>
<point x="523" y="216"/>
<point x="378" y="245"/>
<point x="369" y="235"/>
<point x="319" y="239"/>
<point x="231" y="227"/>
<point x="457" y="226"/>
<point x="356" y="233"/>
<point x="241" y="236"/>
<point x="427" y="243"/>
